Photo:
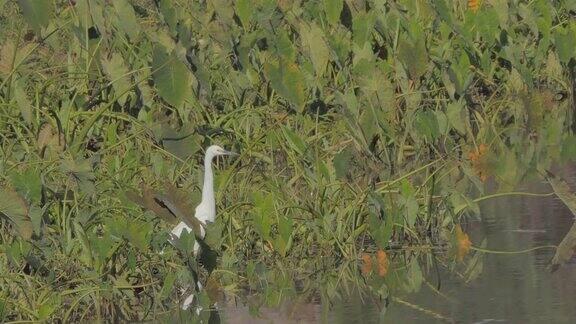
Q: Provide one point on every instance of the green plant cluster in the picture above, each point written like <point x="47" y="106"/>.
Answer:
<point x="361" y="125"/>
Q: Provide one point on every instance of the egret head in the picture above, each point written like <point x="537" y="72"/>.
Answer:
<point x="216" y="150"/>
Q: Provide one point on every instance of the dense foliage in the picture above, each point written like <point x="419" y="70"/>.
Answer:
<point x="363" y="127"/>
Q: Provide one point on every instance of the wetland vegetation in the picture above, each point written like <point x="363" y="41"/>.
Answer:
<point x="369" y="131"/>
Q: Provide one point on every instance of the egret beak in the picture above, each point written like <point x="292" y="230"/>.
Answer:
<point x="230" y="153"/>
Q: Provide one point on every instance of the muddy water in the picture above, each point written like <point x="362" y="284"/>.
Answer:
<point x="510" y="288"/>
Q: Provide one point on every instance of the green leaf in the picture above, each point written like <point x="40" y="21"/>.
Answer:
<point x="287" y="80"/>
<point x="15" y="209"/>
<point x="314" y="43"/>
<point x="23" y="102"/>
<point x="37" y="13"/>
<point x="341" y="163"/>
<point x="118" y="75"/>
<point x="28" y="183"/>
<point x="427" y="125"/>
<point x="171" y="77"/>
<point x="414" y="57"/>
<point x="170" y="15"/>
<point x="263" y="215"/>
<point x="362" y="26"/>
<point x="333" y="8"/>
<point x="565" y="41"/>
<point x="127" y="18"/>
<point x="244" y="11"/>
<point x="457" y="116"/>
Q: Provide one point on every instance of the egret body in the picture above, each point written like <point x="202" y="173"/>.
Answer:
<point x="206" y="211"/>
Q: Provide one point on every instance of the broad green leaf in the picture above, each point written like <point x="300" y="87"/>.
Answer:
<point x="37" y="13"/>
<point x="171" y="77"/>
<point x="168" y="10"/>
<point x="127" y="18"/>
<point x="457" y="116"/>
<point x="48" y="307"/>
<point x="314" y="43"/>
<point x="263" y="214"/>
<point x="362" y="26"/>
<point x="287" y="79"/>
<point x="565" y="42"/>
<point x="333" y="8"/>
<point x="28" y="183"/>
<point x="285" y="225"/>
<point x="244" y="10"/>
<point x="15" y="209"/>
<point x="426" y="124"/>
<point x="341" y="163"/>
<point x="414" y="57"/>
<point x="118" y="75"/>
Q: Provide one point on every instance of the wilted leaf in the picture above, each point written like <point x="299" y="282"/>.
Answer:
<point x="15" y="208"/>
<point x="171" y="77"/>
<point x="47" y="137"/>
<point x="7" y="57"/>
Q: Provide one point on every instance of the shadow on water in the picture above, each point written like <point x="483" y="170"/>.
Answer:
<point x="505" y="288"/>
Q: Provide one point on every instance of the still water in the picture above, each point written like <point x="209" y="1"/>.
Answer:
<point x="511" y="288"/>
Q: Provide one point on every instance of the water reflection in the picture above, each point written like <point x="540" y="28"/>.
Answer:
<point x="509" y="288"/>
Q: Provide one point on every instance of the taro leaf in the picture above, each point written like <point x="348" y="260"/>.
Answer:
<point x="457" y="116"/>
<point x="37" y="13"/>
<point x="263" y="213"/>
<point x="414" y="57"/>
<point x="362" y="26"/>
<point x="48" y="307"/>
<point x="244" y="11"/>
<point x="28" y="183"/>
<point x="341" y="163"/>
<point x="282" y="241"/>
<point x="333" y="8"/>
<point x="214" y="234"/>
<point x="170" y="14"/>
<point x="565" y="42"/>
<point x="15" y="208"/>
<point x="426" y="125"/>
<point x="182" y="144"/>
<point x="127" y="18"/>
<point x="287" y="79"/>
<point x="313" y="41"/>
<point x="172" y="206"/>
<point x="171" y="77"/>
<point x="567" y="247"/>
<point x="118" y="75"/>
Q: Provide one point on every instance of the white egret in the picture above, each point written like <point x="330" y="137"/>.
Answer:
<point x="206" y="210"/>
